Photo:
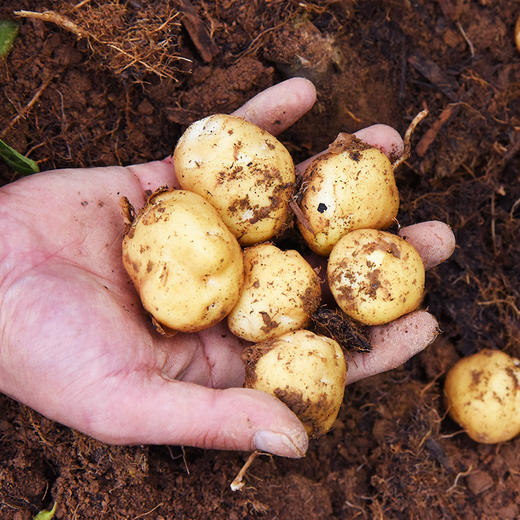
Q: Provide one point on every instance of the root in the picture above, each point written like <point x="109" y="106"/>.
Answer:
<point x="408" y="138"/>
<point x="128" y="212"/>
<point x="302" y="219"/>
<point x="27" y="107"/>
<point x="145" y="45"/>
<point x="336" y="325"/>
<point x="238" y="482"/>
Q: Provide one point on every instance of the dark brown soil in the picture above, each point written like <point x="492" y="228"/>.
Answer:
<point x="393" y="453"/>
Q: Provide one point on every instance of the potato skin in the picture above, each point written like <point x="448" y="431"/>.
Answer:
<point x="305" y="371"/>
<point x="482" y="394"/>
<point x="352" y="186"/>
<point x="375" y="276"/>
<point x="242" y="170"/>
<point x="185" y="264"/>
<point x="280" y="293"/>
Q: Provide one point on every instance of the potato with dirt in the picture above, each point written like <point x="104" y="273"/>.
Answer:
<point x="482" y="394"/>
<point x="281" y="292"/>
<point x="242" y="170"/>
<point x="351" y="186"/>
<point x="305" y="371"/>
<point x="185" y="264"/>
<point x="375" y="276"/>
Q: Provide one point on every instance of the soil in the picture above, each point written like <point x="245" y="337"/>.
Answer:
<point x="393" y="452"/>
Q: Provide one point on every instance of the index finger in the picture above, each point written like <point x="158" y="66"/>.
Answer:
<point x="280" y="106"/>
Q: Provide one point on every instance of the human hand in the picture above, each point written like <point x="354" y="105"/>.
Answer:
<point x="76" y="345"/>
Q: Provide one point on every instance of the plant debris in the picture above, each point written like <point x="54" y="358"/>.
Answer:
<point x="132" y="42"/>
<point x="8" y="34"/>
<point x="337" y="325"/>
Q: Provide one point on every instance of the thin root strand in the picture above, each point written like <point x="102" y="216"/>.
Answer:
<point x="408" y="138"/>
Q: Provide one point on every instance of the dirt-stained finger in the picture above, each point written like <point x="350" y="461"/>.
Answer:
<point x="393" y="344"/>
<point x="278" y="107"/>
<point x="434" y="241"/>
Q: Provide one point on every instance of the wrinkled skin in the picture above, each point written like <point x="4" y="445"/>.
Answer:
<point x="76" y="346"/>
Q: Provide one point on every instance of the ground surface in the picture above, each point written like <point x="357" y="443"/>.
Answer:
<point x="393" y="453"/>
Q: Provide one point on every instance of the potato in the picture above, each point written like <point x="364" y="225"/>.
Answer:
<point x="305" y="371"/>
<point x="242" y="170"/>
<point x="281" y="291"/>
<point x="185" y="264"/>
<point x="375" y="276"/>
<point x="482" y="394"/>
<point x="351" y="186"/>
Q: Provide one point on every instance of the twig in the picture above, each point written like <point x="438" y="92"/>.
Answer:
<point x="58" y="19"/>
<point x="408" y="138"/>
<point x="27" y="107"/>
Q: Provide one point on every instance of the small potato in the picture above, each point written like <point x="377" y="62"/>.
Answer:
<point x="281" y="291"/>
<point x="305" y="371"/>
<point x="352" y="186"/>
<point x="242" y="170"/>
<point x="185" y="264"/>
<point x="482" y="394"/>
<point x="375" y="276"/>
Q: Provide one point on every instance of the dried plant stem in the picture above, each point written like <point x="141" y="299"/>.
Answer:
<point x="408" y="138"/>
<point x="58" y="19"/>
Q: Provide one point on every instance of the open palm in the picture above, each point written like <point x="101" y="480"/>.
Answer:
<point x="76" y="345"/>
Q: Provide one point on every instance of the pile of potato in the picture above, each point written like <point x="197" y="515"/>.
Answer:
<point x="184" y="253"/>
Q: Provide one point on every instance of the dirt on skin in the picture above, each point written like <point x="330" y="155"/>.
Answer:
<point x="393" y="452"/>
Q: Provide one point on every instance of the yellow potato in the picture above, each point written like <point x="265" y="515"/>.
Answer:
<point x="352" y="186"/>
<point x="242" y="170"/>
<point x="185" y="264"/>
<point x="281" y="291"/>
<point x="375" y="276"/>
<point x="305" y="371"/>
<point x="482" y="394"/>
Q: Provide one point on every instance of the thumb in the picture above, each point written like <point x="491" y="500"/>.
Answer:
<point x="175" y="412"/>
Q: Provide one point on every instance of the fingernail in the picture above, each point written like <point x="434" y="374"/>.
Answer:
<point x="281" y="444"/>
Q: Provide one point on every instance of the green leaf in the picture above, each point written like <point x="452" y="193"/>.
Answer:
<point x="46" y="515"/>
<point x="17" y="161"/>
<point x="8" y="33"/>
